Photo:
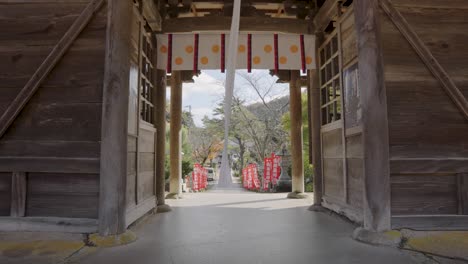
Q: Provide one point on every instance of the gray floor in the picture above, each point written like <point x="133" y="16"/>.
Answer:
<point x="243" y="227"/>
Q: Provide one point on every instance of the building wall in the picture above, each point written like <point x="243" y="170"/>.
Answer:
<point x="140" y="196"/>
<point x="428" y="133"/>
<point x="342" y="152"/>
<point x="55" y="139"/>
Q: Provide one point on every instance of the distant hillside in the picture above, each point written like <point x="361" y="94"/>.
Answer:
<point x="275" y="110"/>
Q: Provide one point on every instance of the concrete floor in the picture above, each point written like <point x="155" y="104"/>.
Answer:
<point x="233" y="226"/>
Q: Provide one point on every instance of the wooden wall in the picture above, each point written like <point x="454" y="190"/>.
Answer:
<point x="55" y="139"/>
<point x="141" y="196"/>
<point x="342" y="151"/>
<point x="428" y="133"/>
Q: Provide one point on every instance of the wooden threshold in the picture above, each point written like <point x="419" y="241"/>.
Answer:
<point x="431" y="222"/>
<point x="135" y="212"/>
<point x="48" y="224"/>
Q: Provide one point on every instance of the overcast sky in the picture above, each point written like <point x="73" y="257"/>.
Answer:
<point x="208" y="90"/>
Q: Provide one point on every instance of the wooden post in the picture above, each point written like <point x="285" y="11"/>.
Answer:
<point x="176" y="136"/>
<point x="113" y="174"/>
<point x="295" y="110"/>
<point x="160" y="150"/>
<point x="316" y="143"/>
<point x="375" y="125"/>
<point x="18" y="194"/>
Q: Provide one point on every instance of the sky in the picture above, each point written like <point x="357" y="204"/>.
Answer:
<point x="202" y="96"/>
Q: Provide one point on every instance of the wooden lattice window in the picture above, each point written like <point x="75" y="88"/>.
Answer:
<point x="147" y="80"/>
<point x="330" y="81"/>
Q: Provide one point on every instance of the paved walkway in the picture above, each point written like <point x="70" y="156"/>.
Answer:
<point x="233" y="226"/>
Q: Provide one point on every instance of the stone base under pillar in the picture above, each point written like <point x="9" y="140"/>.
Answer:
<point x="174" y="196"/>
<point x="390" y="238"/>
<point x="163" y="208"/>
<point x="317" y="208"/>
<point x="297" y="195"/>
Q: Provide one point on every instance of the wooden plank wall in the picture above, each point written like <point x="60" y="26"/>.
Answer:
<point x="141" y="196"/>
<point x="352" y="112"/>
<point x="428" y="133"/>
<point x="341" y="144"/>
<point x="55" y="140"/>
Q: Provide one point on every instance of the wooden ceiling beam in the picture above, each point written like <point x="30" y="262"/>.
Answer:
<point x="223" y="23"/>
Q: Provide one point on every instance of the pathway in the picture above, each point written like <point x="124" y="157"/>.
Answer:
<point x="233" y="226"/>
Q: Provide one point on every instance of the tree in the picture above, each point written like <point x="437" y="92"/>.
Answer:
<point x="264" y="121"/>
<point x="205" y="144"/>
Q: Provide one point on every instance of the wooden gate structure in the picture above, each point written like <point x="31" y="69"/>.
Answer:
<point x="81" y="104"/>
<point x="393" y="107"/>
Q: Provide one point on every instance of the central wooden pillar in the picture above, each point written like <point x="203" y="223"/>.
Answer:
<point x="176" y="136"/>
<point x="295" y="110"/>
<point x="160" y="151"/>
<point x="376" y="201"/>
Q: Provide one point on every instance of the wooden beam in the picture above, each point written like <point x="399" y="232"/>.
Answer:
<point x="151" y="14"/>
<point x="160" y="123"/>
<point x="426" y="56"/>
<point x="114" y="131"/>
<point x="329" y="12"/>
<point x="376" y="203"/>
<point x="20" y="101"/>
<point x="18" y="194"/>
<point x="50" y="164"/>
<point x="223" y="23"/>
<point x="143" y="207"/>
<point x="431" y="222"/>
<point x="48" y="224"/>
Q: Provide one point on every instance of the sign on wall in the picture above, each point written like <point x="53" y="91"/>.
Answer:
<point x="204" y="51"/>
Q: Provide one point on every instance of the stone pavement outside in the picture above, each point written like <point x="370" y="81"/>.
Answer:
<point x="235" y="226"/>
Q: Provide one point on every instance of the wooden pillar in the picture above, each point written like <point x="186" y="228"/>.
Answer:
<point x="316" y="143"/>
<point x="176" y="136"/>
<point x="18" y="194"/>
<point x="160" y="150"/>
<point x="114" y="129"/>
<point x="375" y="125"/>
<point x="295" y="110"/>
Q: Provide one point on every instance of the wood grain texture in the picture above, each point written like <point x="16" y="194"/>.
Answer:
<point x="433" y="222"/>
<point x="48" y="224"/>
<point x="429" y="165"/>
<point x="462" y="182"/>
<point x="113" y="174"/>
<point x="221" y="23"/>
<point x="316" y="142"/>
<point x="329" y="12"/>
<point x="296" y="133"/>
<point x="62" y="195"/>
<point x="424" y="194"/>
<point x="49" y="63"/>
<point x="18" y="194"/>
<point x="137" y="211"/>
<point x="376" y="202"/>
<point x="5" y="193"/>
<point x="351" y="212"/>
<point x="426" y="56"/>
<point x="333" y="178"/>
<point x="176" y="134"/>
<point x="50" y="164"/>
<point x="160" y="123"/>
